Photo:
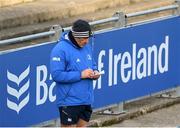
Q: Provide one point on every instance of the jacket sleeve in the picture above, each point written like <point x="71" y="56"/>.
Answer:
<point x="58" y="68"/>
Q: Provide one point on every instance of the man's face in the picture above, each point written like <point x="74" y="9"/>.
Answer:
<point x="82" y="41"/>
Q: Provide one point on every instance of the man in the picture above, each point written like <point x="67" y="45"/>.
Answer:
<point x="73" y="69"/>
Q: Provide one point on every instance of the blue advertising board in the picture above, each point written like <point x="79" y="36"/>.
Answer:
<point x="137" y="61"/>
<point x="27" y="89"/>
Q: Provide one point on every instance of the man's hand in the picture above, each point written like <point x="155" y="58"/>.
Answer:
<point x="87" y="73"/>
<point x="96" y="75"/>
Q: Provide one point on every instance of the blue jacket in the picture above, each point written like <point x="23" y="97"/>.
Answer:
<point x="66" y="63"/>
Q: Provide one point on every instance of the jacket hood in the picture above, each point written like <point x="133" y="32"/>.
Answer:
<point x="65" y="38"/>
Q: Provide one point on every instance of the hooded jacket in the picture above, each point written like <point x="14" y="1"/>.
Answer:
<point x="67" y="61"/>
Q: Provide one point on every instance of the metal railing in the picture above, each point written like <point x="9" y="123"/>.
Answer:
<point x="26" y="38"/>
<point x="119" y="18"/>
<point x="166" y="8"/>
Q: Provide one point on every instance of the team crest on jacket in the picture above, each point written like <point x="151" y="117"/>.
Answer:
<point x="78" y="60"/>
<point x="89" y="57"/>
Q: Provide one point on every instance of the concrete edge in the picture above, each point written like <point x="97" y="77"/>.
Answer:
<point x="7" y="3"/>
<point x="52" y="12"/>
<point x="106" y="121"/>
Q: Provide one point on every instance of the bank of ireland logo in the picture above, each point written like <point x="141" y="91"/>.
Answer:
<point x="17" y="89"/>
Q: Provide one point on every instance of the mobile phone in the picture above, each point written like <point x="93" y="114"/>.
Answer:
<point x="100" y="73"/>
